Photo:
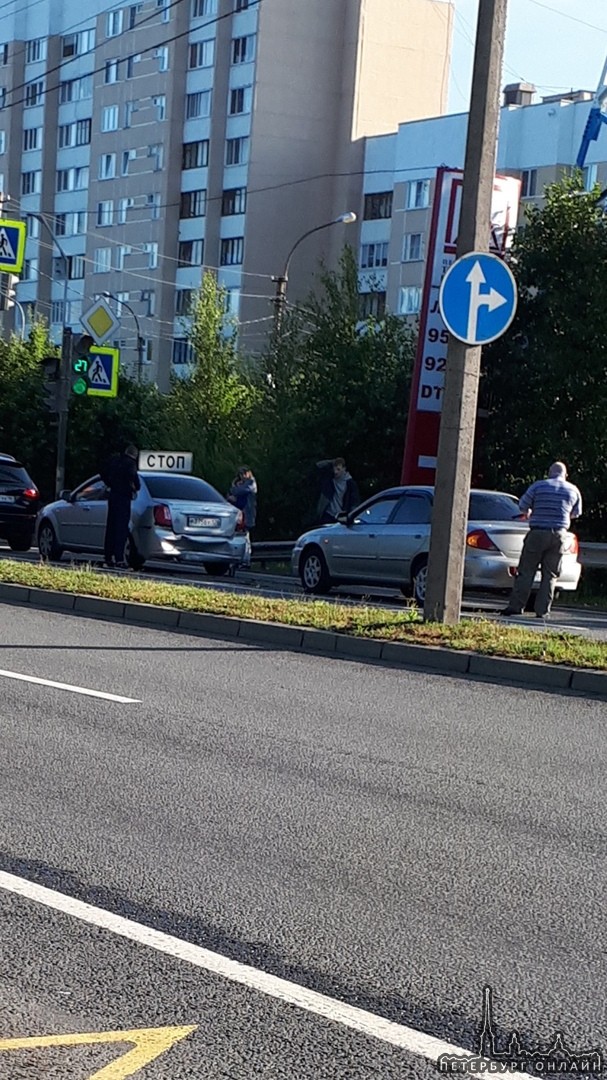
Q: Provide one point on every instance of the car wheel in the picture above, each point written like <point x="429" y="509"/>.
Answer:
<point x="314" y="572"/>
<point x="419" y="575"/>
<point x="47" y="543"/>
<point x="20" y="543"/>
<point x="131" y="556"/>
<point x="216" y="569"/>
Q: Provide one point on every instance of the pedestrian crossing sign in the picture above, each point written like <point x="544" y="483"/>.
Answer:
<point x="102" y="374"/>
<point x="12" y="246"/>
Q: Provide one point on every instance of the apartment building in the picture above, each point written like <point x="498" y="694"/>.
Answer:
<point x="162" y="137"/>
<point x="538" y="142"/>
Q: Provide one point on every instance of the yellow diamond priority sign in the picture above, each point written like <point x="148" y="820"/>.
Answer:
<point x="100" y="322"/>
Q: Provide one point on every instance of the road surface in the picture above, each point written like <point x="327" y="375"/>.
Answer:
<point x="392" y="841"/>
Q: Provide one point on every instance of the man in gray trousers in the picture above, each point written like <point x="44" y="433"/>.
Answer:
<point x="549" y="504"/>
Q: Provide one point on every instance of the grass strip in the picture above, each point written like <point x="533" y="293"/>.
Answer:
<point x="481" y="636"/>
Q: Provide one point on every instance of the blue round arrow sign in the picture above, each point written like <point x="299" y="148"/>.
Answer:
<point x="478" y="298"/>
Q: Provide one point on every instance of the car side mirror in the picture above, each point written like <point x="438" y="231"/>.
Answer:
<point x="343" y="519"/>
<point x="65" y="495"/>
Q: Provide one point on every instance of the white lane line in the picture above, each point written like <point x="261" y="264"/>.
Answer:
<point x="67" y="686"/>
<point x="405" y="1038"/>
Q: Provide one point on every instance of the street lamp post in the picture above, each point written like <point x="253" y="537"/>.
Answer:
<point x="280" y="299"/>
<point x="140" y="339"/>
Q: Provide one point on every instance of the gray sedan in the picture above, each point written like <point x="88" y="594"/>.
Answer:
<point x="173" y="516"/>
<point x="385" y="542"/>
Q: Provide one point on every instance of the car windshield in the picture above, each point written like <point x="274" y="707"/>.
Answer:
<point x="13" y="476"/>
<point x="188" y="488"/>
<point x="493" y="506"/>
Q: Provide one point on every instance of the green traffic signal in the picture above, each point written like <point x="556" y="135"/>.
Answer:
<point x="81" y="364"/>
<point x="80" y="386"/>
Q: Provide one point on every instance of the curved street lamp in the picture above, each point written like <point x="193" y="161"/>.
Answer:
<point x="140" y="339"/>
<point x="280" y="299"/>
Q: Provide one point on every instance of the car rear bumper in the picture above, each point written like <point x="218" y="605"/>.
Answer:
<point x="155" y="544"/>
<point x="496" y="572"/>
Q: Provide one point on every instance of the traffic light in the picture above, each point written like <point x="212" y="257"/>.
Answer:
<point x="52" y="383"/>
<point x="8" y="285"/>
<point x="80" y="363"/>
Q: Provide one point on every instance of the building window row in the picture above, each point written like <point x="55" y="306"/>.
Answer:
<point x="373" y="256"/>
<point x="34" y="92"/>
<point x="105" y="209"/>
<point x="233" y="201"/>
<point x="182" y="351"/>
<point x="232" y="251"/>
<point x="77" y="44"/>
<point x="528" y="183"/>
<point x="193" y="204"/>
<point x="202" y="54"/>
<point x="73" y="224"/>
<point x="190" y="253"/>
<point x="77" y="133"/>
<point x="377" y="206"/>
<point x="75" y="89"/>
<point x="35" y="50"/>
<point x="413" y="247"/>
<point x="32" y="138"/>
<point x="372" y="305"/>
<point x="195" y="155"/>
<point x="75" y="179"/>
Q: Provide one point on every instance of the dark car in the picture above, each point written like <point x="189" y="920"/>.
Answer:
<point x="19" y="504"/>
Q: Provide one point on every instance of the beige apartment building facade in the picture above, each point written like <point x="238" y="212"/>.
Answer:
<point x="159" y="138"/>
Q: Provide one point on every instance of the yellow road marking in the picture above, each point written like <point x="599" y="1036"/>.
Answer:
<point x="150" y="1043"/>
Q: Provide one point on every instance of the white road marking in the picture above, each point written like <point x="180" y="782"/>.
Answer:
<point x="405" y="1038"/>
<point x="67" y="686"/>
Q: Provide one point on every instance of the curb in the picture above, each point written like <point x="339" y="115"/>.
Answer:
<point x="525" y="673"/>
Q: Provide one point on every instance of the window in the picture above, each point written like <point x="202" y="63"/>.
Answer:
<point x="107" y="166"/>
<point x="492" y="506"/>
<point x="240" y="100"/>
<point x="413" y="510"/>
<point x="148" y="299"/>
<point x="113" y="23"/>
<point x="33" y="227"/>
<point x="164" y="4"/>
<point x="233" y="201"/>
<point x="2" y="142"/>
<point x="122" y="254"/>
<point x="77" y="44"/>
<point x="232" y="304"/>
<point x="378" y="512"/>
<point x="202" y="8"/>
<point x="133" y="13"/>
<point x="159" y="102"/>
<point x="413" y="247"/>
<point x="193" y="204"/>
<point x="61" y="224"/>
<point x="34" y="92"/>
<point x="76" y="89"/>
<point x="30" y="270"/>
<point x="243" y="49"/>
<point x="124" y="206"/>
<point x="378" y="205"/>
<point x="83" y="132"/>
<point x="35" y="50"/>
<point x="72" y="179"/>
<point x="75" y="267"/>
<point x="373" y="256"/>
<point x="130" y="65"/>
<point x="102" y="260"/>
<point x="2" y="96"/>
<point x="232" y="251"/>
<point x="410" y="300"/>
<point x="4" y="53"/>
<point x="31" y="183"/>
<point x="183" y="301"/>
<point x="32" y="138"/>
<point x="182" y="351"/>
<point x="130" y="108"/>
<point x="529" y="183"/>
<point x="190" y="253"/>
<point x="57" y="312"/>
<point x="76" y="134"/>
<point x="241" y="5"/>
<point x="105" y="212"/>
<point x="589" y="173"/>
<point x="202" y="54"/>
<point x="372" y="305"/>
<point x="237" y="151"/>
<point x="195" y="155"/>
<point x="198" y="105"/>
<point x="127" y="157"/>
<point x="162" y="56"/>
<point x="156" y="152"/>
<point x="109" y="118"/>
<point x="111" y="71"/>
<point x="151" y="250"/>
<point x="153" y="204"/>
<point x="418" y="194"/>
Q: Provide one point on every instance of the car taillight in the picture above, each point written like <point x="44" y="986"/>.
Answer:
<point x="574" y="546"/>
<point x="240" y="524"/>
<point x="162" y="516"/>
<point x="480" y="540"/>
<point x="31" y="493"/>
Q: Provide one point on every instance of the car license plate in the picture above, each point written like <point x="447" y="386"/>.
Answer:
<point x="7" y="498"/>
<point x="203" y="522"/>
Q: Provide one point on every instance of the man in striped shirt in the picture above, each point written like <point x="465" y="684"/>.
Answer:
<point x="550" y="505"/>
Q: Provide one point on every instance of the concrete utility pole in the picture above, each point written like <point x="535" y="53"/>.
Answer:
<point x="458" y="419"/>
<point x="62" y="416"/>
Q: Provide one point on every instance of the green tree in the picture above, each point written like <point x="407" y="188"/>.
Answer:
<point x="26" y="427"/>
<point x="332" y="385"/>
<point x="545" y="381"/>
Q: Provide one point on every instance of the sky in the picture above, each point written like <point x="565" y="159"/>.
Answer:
<point x="555" y="44"/>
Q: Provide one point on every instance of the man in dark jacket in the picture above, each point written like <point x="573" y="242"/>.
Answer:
<point x="121" y="477"/>
<point x="339" y="493"/>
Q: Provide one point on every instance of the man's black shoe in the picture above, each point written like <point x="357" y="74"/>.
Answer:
<point x="510" y="611"/>
<point x="538" y="616"/>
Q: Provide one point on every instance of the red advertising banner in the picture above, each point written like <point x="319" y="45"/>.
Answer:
<point x="421" y="446"/>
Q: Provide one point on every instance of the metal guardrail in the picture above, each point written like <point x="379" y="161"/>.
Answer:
<point x="591" y="555"/>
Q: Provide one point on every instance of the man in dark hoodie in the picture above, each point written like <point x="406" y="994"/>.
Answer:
<point x="121" y="477"/>
<point x="339" y="493"/>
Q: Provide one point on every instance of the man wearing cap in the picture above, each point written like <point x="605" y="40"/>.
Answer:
<point x="550" y="505"/>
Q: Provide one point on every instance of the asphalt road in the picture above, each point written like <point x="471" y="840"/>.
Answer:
<point x="589" y="622"/>
<point x="391" y="840"/>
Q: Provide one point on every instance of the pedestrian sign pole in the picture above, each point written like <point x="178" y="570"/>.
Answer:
<point x="12" y="246"/>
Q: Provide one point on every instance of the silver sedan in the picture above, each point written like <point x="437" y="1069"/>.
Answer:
<point x="173" y="516"/>
<point x="385" y="542"/>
